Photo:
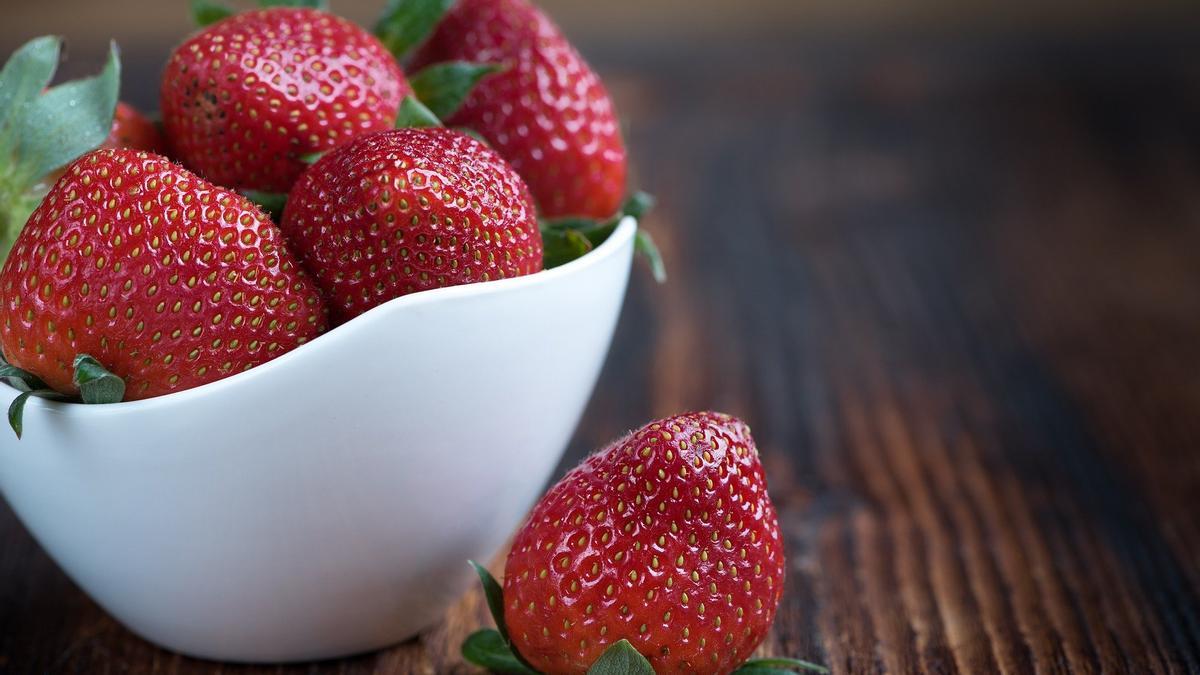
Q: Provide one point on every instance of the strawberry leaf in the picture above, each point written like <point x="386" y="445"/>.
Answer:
<point x="413" y="113"/>
<point x="43" y="129"/>
<point x="488" y="649"/>
<point x="778" y="666"/>
<point x="96" y="384"/>
<point x="406" y="23"/>
<point x="495" y="600"/>
<point x="21" y="380"/>
<point x="70" y="119"/>
<point x="322" y="5"/>
<point x="494" y="595"/>
<point x="205" y="12"/>
<point x="25" y="75"/>
<point x="596" y="231"/>
<point x="16" y="409"/>
<point x="621" y="659"/>
<point x="643" y="243"/>
<point x="271" y="203"/>
<point x="561" y="246"/>
<point x="444" y="86"/>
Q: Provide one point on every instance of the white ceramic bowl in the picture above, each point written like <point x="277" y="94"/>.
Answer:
<point x="324" y="503"/>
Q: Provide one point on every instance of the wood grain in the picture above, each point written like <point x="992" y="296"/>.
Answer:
<point x="953" y="287"/>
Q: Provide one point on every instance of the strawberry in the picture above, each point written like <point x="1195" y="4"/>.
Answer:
<point x="246" y="98"/>
<point x="547" y="113"/>
<point x="666" y="538"/>
<point x="166" y="280"/>
<point x="407" y="210"/>
<point x="131" y="129"/>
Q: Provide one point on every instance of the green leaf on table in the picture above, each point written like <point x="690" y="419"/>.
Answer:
<point x="96" y="384"/>
<point x="406" y="23"/>
<point x="206" y="12"/>
<point x="413" y="113"/>
<point x="621" y="659"/>
<point x="778" y="666"/>
<point x="443" y="87"/>
<point x="322" y="5"/>
<point x="487" y="648"/>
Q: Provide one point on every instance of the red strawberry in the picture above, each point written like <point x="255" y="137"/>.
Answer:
<point x="407" y="210"/>
<point x="548" y="114"/>
<point x="167" y="280"/>
<point x="244" y="99"/>
<point x="131" y="129"/>
<point x="666" y="538"/>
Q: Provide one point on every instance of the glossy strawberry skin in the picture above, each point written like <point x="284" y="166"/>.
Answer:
<point x="244" y="99"/>
<point x="131" y="129"/>
<point x="666" y="538"/>
<point x="408" y="210"/>
<point x="169" y="281"/>
<point x="548" y="113"/>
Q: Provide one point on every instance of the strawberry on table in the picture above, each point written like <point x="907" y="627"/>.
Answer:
<point x="666" y="540"/>
<point x="246" y="98"/>
<point x="166" y="280"/>
<point x="546" y="112"/>
<point x="407" y="210"/>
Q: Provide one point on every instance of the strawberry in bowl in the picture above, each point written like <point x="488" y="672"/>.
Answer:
<point x="291" y="413"/>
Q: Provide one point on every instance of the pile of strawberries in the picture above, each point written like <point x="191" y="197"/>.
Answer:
<point x="299" y="178"/>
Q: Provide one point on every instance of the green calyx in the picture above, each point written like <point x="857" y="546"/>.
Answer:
<point x="415" y="114"/>
<point x="406" y="23"/>
<point x="566" y="239"/>
<point x="206" y="12"/>
<point x="43" y="129"/>
<point x="96" y="385"/>
<point x="443" y="87"/>
<point x="493" y="649"/>
<point x="271" y="203"/>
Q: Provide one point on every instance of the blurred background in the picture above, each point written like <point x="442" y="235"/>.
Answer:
<point x="934" y="251"/>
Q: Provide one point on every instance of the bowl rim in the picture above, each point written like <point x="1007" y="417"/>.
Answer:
<point x="623" y="233"/>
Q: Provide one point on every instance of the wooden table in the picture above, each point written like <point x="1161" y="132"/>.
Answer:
<point x="954" y="287"/>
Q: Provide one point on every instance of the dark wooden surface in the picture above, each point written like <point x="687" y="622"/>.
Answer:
<point x="955" y="288"/>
